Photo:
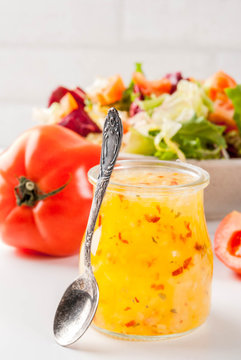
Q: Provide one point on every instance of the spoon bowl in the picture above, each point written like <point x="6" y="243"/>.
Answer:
<point x="76" y="309"/>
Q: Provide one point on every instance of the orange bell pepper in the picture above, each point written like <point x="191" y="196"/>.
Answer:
<point x="112" y="92"/>
<point x="68" y="104"/>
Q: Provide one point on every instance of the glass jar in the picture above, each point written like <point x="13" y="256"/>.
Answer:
<point x="151" y="253"/>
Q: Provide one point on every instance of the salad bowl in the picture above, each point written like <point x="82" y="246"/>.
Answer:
<point x="171" y="118"/>
<point x="223" y="194"/>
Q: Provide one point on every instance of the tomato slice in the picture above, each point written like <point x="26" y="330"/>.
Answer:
<point x="147" y="87"/>
<point x="223" y="115"/>
<point x="227" y="241"/>
<point x="223" y="106"/>
<point x="219" y="82"/>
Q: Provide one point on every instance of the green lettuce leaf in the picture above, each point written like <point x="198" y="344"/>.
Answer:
<point x="234" y="95"/>
<point x="140" y="144"/>
<point x="149" y="104"/>
<point x="127" y="98"/>
<point x="200" y="139"/>
<point x="139" y="67"/>
<point x="165" y="153"/>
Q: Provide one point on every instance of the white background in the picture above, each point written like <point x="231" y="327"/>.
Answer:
<point x="31" y="287"/>
<point x="51" y="42"/>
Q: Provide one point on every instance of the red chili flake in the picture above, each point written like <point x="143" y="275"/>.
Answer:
<point x="177" y="271"/>
<point x="125" y="241"/>
<point x="187" y="262"/>
<point x="127" y="308"/>
<point x="130" y="323"/>
<point x="173" y="182"/>
<point x="137" y="300"/>
<point x="158" y="209"/>
<point x="151" y="218"/>
<point x="121" y="197"/>
<point x="151" y="262"/>
<point x="182" y="237"/>
<point x="158" y="286"/>
<point x="160" y="176"/>
<point x="122" y="240"/>
<point x="198" y="246"/>
<point x="99" y="223"/>
<point x="187" y="225"/>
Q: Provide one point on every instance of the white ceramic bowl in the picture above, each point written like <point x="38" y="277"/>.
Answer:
<point x="223" y="195"/>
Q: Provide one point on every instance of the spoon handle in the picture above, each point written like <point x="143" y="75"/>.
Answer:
<point x="112" y="137"/>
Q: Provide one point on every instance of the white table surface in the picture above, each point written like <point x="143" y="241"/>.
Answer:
<point x="30" y="288"/>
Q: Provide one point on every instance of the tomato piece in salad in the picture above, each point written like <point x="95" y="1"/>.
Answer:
<point x="223" y="106"/>
<point x="156" y="87"/>
<point x="218" y="83"/>
<point x="227" y="241"/>
<point x="223" y="115"/>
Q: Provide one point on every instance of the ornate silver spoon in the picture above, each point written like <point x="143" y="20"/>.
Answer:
<point x="78" y="305"/>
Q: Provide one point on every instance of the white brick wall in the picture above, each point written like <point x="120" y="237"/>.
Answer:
<point x="183" y="23"/>
<point x="51" y="42"/>
<point x="59" y="22"/>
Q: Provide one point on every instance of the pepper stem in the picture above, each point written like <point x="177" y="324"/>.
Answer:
<point x="27" y="192"/>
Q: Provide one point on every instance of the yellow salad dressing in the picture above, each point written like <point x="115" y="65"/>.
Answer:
<point x="151" y="253"/>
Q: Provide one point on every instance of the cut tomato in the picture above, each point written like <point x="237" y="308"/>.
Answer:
<point x="227" y="241"/>
<point x="223" y="106"/>
<point x="147" y="87"/>
<point x="223" y="115"/>
<point x="218" y="83"/>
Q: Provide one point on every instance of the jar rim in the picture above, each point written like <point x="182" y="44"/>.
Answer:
<point x="199" y="175"/>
